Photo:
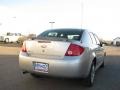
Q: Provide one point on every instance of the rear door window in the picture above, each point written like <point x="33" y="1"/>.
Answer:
<point x="93" y="38"/>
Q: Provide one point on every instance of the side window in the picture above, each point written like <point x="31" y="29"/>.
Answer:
<point x="97" y="40"/>
<point x="93" y="38"/>
<point x="86" y="38"/>
<point x="90" y="39"/>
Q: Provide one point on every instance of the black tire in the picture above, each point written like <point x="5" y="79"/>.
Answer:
<point x="34" y="75"/>
<point x="6" y="40"/>
<point x="91" y="76"/>
<point x="102" y="65"/>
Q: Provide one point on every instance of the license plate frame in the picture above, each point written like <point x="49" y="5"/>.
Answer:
<point x="41" y="67"/>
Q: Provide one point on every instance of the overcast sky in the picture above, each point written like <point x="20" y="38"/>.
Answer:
<point x="33" y="16"/>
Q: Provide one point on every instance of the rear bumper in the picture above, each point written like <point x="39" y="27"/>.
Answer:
<point x="68" y="67"/>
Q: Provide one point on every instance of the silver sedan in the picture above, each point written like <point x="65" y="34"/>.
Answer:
<point x="71" y="53"/>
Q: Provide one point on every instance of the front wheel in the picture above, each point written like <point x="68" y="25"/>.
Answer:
<point x="91" y="76"/>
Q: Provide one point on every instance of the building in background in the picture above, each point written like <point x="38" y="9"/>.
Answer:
<point x="116" y="41"/>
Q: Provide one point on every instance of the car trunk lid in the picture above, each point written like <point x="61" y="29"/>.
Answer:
<point x="47" y="48"/>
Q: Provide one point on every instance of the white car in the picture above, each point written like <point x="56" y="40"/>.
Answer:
<point x="12" y="37"/>
<point x="71" y="53"/>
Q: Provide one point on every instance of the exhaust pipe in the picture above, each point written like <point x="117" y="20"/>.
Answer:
<point x="24" y="72"/>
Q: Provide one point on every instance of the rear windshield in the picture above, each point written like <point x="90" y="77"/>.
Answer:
<point x="61" y="35"/>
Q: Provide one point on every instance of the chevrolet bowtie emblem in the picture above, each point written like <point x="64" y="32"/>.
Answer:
<point x="43" y="51"/>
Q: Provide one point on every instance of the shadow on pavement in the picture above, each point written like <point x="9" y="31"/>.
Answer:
<point x="107" y="78"/>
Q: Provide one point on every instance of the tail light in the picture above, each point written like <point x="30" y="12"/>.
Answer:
<point x="74" y="50"/>
<point x="24" y="49"/>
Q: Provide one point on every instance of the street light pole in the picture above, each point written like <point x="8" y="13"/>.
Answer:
<point x="0" y="24"/>
<point x="82" y="12"/>
<point x="51" y="24"/>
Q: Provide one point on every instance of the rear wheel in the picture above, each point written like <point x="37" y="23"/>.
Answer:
<point x="34" y="75"/>
<point x="102" y="65"/>
<point x="91" y="76"/>
<point x="6" y="40"/>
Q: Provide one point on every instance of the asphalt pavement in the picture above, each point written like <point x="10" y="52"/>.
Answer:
<point x="11" y="77"/>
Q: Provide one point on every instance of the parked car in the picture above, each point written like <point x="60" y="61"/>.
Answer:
<point x="71" y="53"/>
<point x="10" y="37"/>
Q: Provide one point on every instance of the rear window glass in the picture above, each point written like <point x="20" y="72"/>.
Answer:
<point x="65" y="34"/>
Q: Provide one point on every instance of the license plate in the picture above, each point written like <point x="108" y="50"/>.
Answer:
<point x="41" y="67"/>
